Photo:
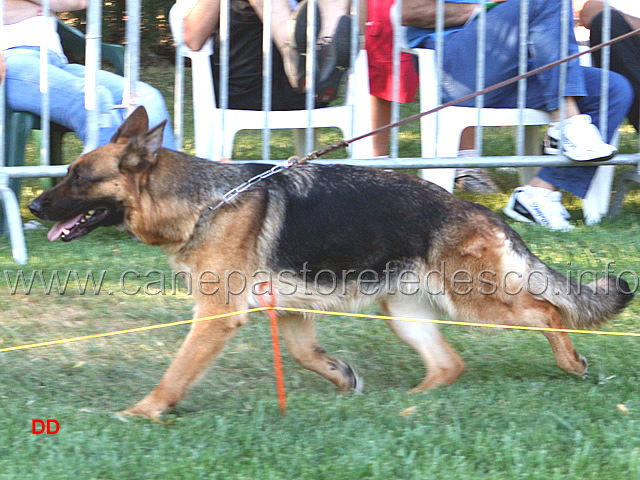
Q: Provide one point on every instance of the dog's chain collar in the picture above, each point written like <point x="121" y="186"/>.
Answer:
<point x="234" y="192"/>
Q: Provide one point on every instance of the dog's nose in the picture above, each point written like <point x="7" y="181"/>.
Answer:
<point x="36" y="206"/>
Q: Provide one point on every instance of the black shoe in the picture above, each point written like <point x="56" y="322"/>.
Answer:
<point x="297" y="31"/>
<point x="334" y="60"/>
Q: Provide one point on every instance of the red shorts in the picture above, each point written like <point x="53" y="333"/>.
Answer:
<point x="379" y="46"/>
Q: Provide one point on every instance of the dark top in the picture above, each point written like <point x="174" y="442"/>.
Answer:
<point x="245" y="65"/>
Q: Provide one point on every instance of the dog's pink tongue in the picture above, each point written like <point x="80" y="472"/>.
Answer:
<point x="56" y="230"/>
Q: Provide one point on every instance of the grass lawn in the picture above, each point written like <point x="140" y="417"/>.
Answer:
<point x="513" y="414"/>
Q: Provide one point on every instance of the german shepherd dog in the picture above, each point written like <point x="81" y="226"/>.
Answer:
<point x="324" y="237"/>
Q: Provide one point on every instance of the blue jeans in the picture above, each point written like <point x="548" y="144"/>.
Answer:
<point x="66" y="94"/>
<point x="502" y="50"/>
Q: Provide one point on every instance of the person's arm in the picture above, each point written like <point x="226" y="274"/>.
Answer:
<point x="589" y="10"/>
<point x="593" y="7"/>
<point x="200" y="22"/>
<point x="63" y="5"/>
<point x="17" y="10"/>
<point x="422" y="13"/>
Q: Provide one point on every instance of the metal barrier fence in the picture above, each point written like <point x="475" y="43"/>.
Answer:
<point x="132" y="62"/>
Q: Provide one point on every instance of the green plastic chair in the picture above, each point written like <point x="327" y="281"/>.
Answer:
<point x="18" y="125"/>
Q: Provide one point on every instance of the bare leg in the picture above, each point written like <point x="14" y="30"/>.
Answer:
<point x="539" y="183"/>
<point x="331" y="11"/>
<point x="380" y="116"/>
<point x="570" y="109"/>
<point x="281" y="14"/>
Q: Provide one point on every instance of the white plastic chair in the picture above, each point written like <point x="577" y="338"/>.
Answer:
<point x="443" y="140"/>
<point x="595" y="204"/>
<point x="214" y="142"/>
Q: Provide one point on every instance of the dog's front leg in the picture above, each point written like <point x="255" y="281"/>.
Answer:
<point x="203" y="344"/>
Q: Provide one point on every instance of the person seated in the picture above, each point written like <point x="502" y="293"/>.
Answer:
<point x="201" y="21"/>
<point x="624" y="56"/>
<point x="24" y="30"/>
<point x="378" y="42"/>
<point x="577" y="136"/>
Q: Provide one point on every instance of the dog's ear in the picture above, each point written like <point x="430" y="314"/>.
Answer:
<point x="134" y="125"/>
<point x="141" y="150"/>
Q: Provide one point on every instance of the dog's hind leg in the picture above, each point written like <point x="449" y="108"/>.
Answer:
<point x="202" y="345"/>
<point x="525" y="310"/>
<point x="300" y="337"/>
<point x="444" y="365"/>
<point x="566" y="356"/>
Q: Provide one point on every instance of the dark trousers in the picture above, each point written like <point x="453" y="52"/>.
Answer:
<point x="625" y="56"/>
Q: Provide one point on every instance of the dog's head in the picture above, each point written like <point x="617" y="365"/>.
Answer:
<point x="100" y="185"/>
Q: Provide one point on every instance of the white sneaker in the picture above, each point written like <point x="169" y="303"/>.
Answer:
<point x="540" y="205"/>
<point x="580" y="141"/>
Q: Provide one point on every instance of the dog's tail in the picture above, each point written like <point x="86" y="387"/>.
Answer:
<point x="582" y="305"/>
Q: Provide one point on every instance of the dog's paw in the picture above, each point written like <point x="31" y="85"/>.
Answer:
<point x="125" y="415"/>
<point x="145" y="408"/>
<point x="586" y="366"/>
<point x="355" y="380"/>
<point x="350" y="380"/>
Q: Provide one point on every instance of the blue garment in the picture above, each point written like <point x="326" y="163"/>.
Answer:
<point x="66" y="94"/>
<point x="502" y="50"/>
<point x="417" y="36"/>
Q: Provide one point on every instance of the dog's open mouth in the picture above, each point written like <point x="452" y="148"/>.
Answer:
<point x="78" y="226"/>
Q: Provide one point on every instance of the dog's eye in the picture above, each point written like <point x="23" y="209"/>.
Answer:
<point x="79" y="179"/>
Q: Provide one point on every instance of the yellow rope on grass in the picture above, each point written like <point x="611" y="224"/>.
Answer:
<point x="455" y="322"/>
<point x="318" y="312"/>
<point x="129" y="330"/>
